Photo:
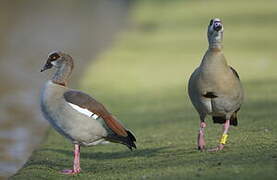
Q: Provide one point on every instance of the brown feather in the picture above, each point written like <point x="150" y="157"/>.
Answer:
<point x="85" y="101"/>
<point x="235" y="72"/>
<point x="115" y="125"/>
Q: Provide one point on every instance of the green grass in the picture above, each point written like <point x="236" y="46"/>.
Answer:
<point x="143" y="81"/>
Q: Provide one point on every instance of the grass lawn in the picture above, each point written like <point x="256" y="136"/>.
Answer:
<point x="143" y="78"/>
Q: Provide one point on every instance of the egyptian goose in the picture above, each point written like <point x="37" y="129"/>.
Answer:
<point x="76" y="115"/>
<point x="214" y="87"/>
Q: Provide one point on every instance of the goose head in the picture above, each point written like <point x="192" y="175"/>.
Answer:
<point x="57" y="59"/>
<point x="215" y="31"/>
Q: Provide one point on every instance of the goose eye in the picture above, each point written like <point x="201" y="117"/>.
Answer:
<point x="54" y="56"/>
<point x="211" y="22"/>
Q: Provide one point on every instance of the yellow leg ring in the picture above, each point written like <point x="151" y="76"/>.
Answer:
<point x="223" y="139"/>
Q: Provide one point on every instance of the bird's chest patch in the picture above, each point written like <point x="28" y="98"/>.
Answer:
<point x="84" y="111"/>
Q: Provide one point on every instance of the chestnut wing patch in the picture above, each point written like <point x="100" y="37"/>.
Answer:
<point x="86" y="102"/>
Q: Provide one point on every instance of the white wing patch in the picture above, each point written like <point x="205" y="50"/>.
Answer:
<point x="94" y="116"/>
<point x="100" y="141"/>
<point x="84" y="111"/>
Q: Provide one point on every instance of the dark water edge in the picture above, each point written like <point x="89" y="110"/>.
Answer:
<point x="29" y="30"/>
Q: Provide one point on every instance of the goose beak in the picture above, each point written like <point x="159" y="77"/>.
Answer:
<point x="48" y="65"/>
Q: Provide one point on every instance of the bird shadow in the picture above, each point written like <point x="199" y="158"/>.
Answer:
<point x="111" y="155"/>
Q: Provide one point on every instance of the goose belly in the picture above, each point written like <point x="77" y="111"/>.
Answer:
<point x="212" y="107"/>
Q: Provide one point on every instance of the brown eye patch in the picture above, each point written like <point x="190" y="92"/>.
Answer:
<point x="54" y="56"/>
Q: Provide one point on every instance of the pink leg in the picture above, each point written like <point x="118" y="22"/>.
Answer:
<point x="200" y="140"/>
<point x="223" y="139"/>
<point x="76" y="164"/>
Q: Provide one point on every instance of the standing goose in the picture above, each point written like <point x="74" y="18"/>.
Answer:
<point x="76" y="115"/>
<point x="215" y="88"/>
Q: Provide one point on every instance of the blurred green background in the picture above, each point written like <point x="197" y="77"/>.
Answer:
<point x="143" y="78"/>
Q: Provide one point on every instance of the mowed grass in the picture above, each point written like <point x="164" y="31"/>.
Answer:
<point x="143" y="78"/>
